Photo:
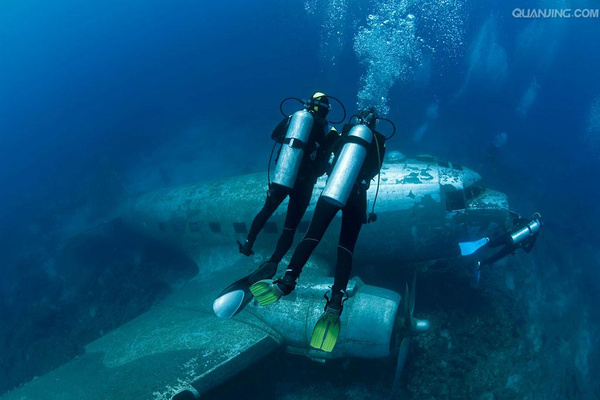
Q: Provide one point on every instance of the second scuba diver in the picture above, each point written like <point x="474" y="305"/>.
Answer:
<point x="358" y="159"/>
<point x="523" y="234"/>
<point x="307" y="141"/>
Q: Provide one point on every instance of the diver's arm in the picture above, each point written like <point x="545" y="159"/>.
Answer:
<point x="528" y="245"/>
<point x="330" y="140"/>
<point x="280" y="130"/>
<point x="324" y="151"/>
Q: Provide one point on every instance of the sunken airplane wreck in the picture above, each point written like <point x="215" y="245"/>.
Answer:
<point x="179" y="349"/>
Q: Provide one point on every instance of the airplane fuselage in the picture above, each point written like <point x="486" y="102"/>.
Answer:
<point x="424" y="209"/>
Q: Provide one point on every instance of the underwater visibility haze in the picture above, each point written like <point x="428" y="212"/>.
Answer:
<point x="102" y="101"/>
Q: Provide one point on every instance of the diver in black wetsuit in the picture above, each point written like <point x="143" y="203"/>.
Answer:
<point x="354" y="215"/>
<point x="522" y="235"/>
<point x="314" y="163"/>
<point x="307" y="142"/>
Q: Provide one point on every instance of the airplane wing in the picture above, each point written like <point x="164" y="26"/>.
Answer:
<point x="180" y="344"/>
<point x="177" y="344"/>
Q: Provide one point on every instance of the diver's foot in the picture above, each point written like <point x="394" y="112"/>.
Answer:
<point x="268" y="292"/>
<point x="334" y="304"/>
<point x="246" y="248"/>
<point x="286" y="284"/>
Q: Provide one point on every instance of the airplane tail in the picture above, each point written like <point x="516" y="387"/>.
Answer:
<point x="468" y="248"/>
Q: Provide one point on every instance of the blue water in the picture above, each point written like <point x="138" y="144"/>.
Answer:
<point x="131" y="86"/>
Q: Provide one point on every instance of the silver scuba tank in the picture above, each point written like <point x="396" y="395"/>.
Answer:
<point x="346" y="169"/>
<point x="526" y="231"/>
<point x="292" y="150"/>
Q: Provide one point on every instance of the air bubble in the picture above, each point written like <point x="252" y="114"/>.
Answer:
<point x="391" y="50"/>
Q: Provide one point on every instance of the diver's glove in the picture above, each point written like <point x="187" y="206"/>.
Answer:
<point x="372" y="217"/>
<point x="246" y="248"/>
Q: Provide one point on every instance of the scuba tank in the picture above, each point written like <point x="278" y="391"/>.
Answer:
<point x="528" y="230"/>
<point x="292" y="149"/>
<point x="346" y="169"/>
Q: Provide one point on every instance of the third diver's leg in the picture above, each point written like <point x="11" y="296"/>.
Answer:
<point x="299" y="201"/>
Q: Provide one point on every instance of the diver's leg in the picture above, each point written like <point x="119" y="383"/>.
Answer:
<point x="353" y="217"/>
<point x="324" y="213"/>
<point x="327" y="329"/>
<point x="268" y="292"/>
<point x="501" y="240"/>
<point x="506" y="250"/>
<point x="299" y="201"/>
<point x="275" y="196"/>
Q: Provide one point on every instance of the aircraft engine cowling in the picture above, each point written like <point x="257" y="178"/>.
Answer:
<point x="367" y="320"/>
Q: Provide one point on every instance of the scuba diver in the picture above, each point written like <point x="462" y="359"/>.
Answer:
<point x="523" y="234"/>
<point x="358" y="158"/>
<point x="307" y="141"/>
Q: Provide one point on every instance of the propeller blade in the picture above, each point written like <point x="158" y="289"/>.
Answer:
<point x="412" y="295"/>
<point x="406" y="304"/>
<point x="402" y="354"/>
<point x="477" y="273"/>
<point x="412" y="326"/>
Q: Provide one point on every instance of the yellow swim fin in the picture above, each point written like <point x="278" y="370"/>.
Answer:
<point x="326" y="331"/>
<point x="266" y="292"/>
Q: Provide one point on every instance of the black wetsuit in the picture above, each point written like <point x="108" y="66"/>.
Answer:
<point x="314" y="164"/>
<point x="354" y="215"/>
<point x="509" y="247"/>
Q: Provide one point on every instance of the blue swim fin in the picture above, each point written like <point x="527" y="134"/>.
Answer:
<point x="468" y="248"/>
